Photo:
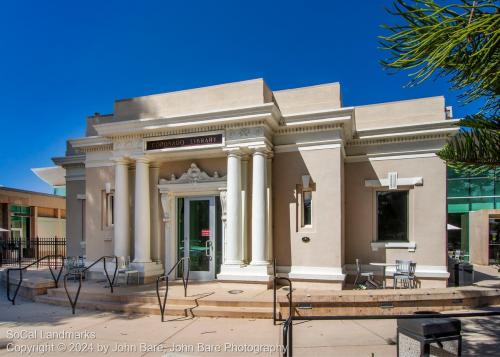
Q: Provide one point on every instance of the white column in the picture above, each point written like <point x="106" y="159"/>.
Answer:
<point x="244" y="209"/>
<point x="269" y="185"/>
<point x="259" y="209"/>
<point x="168" y="214"/>
<point x="233" y="237"/>
<point x="142" y="216"/>
<point x="154" y="176"/>
<point x="223" y="204"/>
<point x="121" y="240"/>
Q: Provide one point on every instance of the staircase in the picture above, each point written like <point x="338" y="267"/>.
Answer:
<point x="200" y="305"/>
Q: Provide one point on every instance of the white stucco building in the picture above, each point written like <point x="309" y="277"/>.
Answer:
<point x="236" y="175"/>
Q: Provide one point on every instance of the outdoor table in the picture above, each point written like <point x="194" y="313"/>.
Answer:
<point x="384" y="265"/>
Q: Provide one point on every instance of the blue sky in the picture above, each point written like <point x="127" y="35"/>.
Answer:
<point x="63" y="60"/>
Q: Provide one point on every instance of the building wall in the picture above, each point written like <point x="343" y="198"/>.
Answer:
<point x="51" y="227"/>
<point x="32" y="199"/>
<point x="40" y="205"/>
<point x="74" y="218"/>
<point x="397" y="114"/>
<point x="479" y="226"/>
<point x="99" y="238"/>
<point x="325" y="246"/>
<point x="218" y="97"/>
<point x="427" y="211"/>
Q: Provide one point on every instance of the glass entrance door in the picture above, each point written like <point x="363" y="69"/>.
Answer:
<point x="199" y="236"/>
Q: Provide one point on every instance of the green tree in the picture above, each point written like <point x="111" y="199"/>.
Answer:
<point x="459" y="42"/>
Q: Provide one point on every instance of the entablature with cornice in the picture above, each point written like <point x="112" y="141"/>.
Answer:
<point x="262" y="125"/>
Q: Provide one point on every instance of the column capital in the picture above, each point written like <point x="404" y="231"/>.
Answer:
<point x="141" y="159"/>
<point x="121" y="160"/>
<point x="264" y="150"/>
<point x="234" y="152"/>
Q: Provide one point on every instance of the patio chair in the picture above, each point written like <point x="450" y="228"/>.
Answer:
<point x="125" y="269"/>
<point x="405" y="273"/>
<point x="74" y="265"/>
<point x="367" y="275"/>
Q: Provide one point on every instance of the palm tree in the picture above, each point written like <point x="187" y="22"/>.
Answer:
<point x="460" y="42"/>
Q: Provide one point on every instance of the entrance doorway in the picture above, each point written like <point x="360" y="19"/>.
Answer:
<point x="200" y="236"/>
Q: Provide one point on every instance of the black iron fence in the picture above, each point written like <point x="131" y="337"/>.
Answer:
<point x="22" y="251"/>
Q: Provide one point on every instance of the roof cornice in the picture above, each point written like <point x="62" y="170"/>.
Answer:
<point x="69" y="160"/>
<point x="90" y="141"/>
<point x="268" y="112"/>
<point x="407" y="129"/>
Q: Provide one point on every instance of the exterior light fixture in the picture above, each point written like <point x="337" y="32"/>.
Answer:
<point x="108" y="187"/>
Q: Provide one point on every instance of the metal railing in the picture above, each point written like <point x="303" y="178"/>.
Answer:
<point x="19" y="251"/>
<point x="287" y="346"/>
<point x="276" y="280"/>
<point x="36" y="262"/>
<point x="79" y="272"/>
<point x="185" y="280"/>
<point x="288" y="323"/>
<point x="287" y="341"/>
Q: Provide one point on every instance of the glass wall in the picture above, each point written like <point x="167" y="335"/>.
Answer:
<point x="469" y="193"/>
<point x="20" y="221"/>
<point x="494" y="241"/>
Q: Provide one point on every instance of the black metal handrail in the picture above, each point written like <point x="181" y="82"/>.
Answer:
<point x="79" y="272"/>
<point x="164" y="278"/>
<point x="20" y="269"/>
<point x="276" y="279"/>
<point x="287" y="339"/>
<point x="288" y="323"/>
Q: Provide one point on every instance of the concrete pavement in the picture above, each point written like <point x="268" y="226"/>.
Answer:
<point x="37" y="328"/>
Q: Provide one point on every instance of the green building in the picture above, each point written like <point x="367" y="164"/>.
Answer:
<point x="472" y="193"/>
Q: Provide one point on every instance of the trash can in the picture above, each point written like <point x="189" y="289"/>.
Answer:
<point x="465" y="274"/>
<point x="429" y="337"/>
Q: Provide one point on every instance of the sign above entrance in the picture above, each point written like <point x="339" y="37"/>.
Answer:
<point x="185" y="141"/>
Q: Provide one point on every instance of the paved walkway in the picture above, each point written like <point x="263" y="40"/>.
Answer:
<point x="98" y="334"/>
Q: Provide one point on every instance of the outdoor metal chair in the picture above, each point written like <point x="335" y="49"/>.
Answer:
<point x="405" y="274"/>
<point x="125" y="269"/>
<point x="74" y="264"/>
<point x="366" y="276"/>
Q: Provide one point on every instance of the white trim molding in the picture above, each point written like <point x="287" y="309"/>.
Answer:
<point x="268" y="112"/>
<point x="407" y="181"/>
<point x="312" y="273"/>
<point x="422" y="271"/>
<point x="411" y="246"/>
<point x="308" y="146"/>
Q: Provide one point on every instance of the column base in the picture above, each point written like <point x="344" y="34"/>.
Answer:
<point x="148" y="272"/>
<point x="249" y="273"/>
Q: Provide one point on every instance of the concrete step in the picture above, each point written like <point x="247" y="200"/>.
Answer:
<point x="201" y="299"/>
<point x="153" y="309"/>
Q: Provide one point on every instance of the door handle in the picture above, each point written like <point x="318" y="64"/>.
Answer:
<point x="208" y="247"/>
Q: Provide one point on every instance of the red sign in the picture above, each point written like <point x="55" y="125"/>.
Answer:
<point x="205" y="232"/>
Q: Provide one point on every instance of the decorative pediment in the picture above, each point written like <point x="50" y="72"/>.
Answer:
<point x="193" y="175"/>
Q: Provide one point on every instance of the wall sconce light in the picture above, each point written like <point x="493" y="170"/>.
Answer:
<point x="108" y="187"/>
<point x="306" y="179"/>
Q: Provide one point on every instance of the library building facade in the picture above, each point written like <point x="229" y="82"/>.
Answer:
<point x="236" y="176"/>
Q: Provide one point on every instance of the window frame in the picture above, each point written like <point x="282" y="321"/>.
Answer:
<point x="409" y="210"/>
<point x="108" y="200"/>
<point x="303" y="208"/>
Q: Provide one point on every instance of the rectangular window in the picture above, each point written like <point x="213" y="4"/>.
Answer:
<point x="392" y="216"/>
<point x="306" y="208"/>
<point x="109" y="209"/>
